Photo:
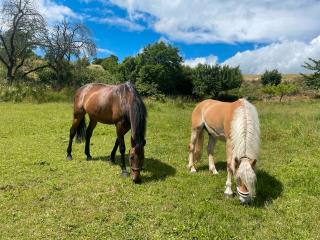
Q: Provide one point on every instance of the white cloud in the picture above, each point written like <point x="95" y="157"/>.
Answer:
<point x="286" y="56"/>
<point x="104" y="50"/>
<point x="210" y="60"/>
<point x="53" y="12"/>
<point x="118" y="21"/>
<point x="209" y="21"/>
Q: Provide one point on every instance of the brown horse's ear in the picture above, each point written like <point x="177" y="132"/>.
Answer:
<point x="253" y="162"/>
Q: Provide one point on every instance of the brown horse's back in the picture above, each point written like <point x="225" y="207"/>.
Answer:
<point x="100" y="101"/>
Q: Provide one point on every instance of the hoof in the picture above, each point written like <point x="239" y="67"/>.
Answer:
<point x="69" y="157"/>
<point x="228" y="195"/>
<point x="112" y="162"/>
<point x="215" y="172"/>
<point x="89" y="158"/>
<point x="193" y="170"/>
<point x="124" y="174"/>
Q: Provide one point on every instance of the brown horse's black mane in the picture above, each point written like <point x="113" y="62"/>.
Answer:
<point x="137" y="114"/>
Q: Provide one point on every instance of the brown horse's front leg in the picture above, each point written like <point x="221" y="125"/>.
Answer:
<point x="124" y="171"/>
<point x="113" y="153"/>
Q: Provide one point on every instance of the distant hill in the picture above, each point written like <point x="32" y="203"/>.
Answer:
<point x="285" y="77"/>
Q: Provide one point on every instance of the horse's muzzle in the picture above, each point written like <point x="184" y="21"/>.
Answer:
<point x="135" y="174"/>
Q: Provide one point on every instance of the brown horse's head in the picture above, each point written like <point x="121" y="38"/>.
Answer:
<point x="136" y="160"/>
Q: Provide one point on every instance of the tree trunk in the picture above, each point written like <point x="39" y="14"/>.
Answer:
<point x="10" y="75"/>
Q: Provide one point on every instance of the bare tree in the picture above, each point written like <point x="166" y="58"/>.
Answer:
<point x="21" y="31"/>
<point x="66" y="42"/>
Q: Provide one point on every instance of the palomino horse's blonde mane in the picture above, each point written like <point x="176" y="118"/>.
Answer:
<point x="245" y="138"/>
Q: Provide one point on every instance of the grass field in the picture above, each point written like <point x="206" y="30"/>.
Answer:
<point x="43" y="196"/>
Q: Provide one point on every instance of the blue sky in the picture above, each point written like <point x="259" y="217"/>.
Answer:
<point x="257" y="35"/>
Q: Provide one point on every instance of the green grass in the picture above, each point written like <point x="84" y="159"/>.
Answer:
<point x="44" y="196"/>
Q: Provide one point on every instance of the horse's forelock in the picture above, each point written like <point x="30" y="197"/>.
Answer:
<point x="247" y="176"/>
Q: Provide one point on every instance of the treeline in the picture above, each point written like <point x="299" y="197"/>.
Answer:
<point x="67" y="61"/>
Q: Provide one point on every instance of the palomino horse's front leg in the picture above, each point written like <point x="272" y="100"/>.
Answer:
<point x="211" y="144"/>
<point x="193" y="140"/>
<point x="230" y="168"/>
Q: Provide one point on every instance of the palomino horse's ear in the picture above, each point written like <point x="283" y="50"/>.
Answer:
<point x="253" y="162"/>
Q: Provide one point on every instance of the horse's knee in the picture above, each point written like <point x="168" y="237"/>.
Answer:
<point x="191" y="147"/>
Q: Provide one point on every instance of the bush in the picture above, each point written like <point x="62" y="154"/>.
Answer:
<point x="281" y="90"/>
<point x="212" y="80"/>
<point x="149" y="90"/>
<point x="271" y="77"/>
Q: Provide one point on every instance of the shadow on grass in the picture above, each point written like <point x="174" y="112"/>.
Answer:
<point x="220" y="166"/>
<point x="156" y="169"/>
<point x="268" y="189"/>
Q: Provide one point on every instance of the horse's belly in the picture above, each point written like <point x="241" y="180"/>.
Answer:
<point x="216" y="132"/>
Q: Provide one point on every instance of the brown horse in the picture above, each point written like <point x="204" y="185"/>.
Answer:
<point x="238" y="124"/>
<point x="111" y="104"/>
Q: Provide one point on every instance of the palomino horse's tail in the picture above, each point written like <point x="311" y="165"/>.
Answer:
<point x="199" y="146"/>
<point x="81" y="131"/>
<point x="245" y="138"/>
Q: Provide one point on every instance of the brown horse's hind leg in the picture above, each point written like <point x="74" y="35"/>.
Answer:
<point x="76" y="122"/>
<point x="92" y="125"/>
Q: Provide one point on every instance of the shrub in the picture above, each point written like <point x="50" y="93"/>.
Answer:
<point x="281" y="90"/>
<point x="271" y="77"/>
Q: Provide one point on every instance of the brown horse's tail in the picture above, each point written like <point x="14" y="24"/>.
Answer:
<point x="81" y="131"/>
<point x="199" y="146"/>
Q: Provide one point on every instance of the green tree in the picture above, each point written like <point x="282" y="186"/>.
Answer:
<point x="160" y="64"/>
<point x="110" y="64"/>
<point x="211" y="80"/>
<point x="312" y="80"/>
<point x="272" y="77"/>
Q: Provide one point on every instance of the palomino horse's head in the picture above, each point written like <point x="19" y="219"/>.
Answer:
<point x="246" y="179"/>
<point x="136" y="160"/>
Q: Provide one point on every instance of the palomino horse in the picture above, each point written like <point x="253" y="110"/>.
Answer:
<point x="111" y="104"/>
<point x="238" y="124"/>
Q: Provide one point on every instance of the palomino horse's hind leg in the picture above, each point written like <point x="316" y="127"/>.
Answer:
<point x="194" y="137"/>
<point x="211" y="144"/>
<point x="230" y="168"/>
<point x="76" y="121"/>
<point x="92" y="125"/>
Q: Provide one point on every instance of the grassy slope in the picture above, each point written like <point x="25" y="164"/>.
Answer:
<point x="44" y="196"/>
